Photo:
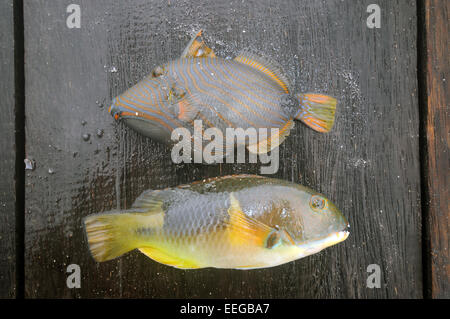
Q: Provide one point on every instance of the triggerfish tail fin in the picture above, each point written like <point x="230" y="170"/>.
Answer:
<point x="317" y="111"/>
<point x="113" y="234"/>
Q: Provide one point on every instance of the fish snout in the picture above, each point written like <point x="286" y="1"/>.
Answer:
<point x="115" y="110"/>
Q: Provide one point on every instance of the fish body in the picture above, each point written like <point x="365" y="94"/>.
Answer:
<point x="247" y="92"/>
<point x="240" y="222"/>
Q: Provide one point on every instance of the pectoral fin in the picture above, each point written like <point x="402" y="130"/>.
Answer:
<point x="243" y="229"/>
<point x="197" y="48"/>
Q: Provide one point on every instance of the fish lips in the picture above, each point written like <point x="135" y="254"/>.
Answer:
<point x="140" y="124"/>
<point x="316" y="245"/>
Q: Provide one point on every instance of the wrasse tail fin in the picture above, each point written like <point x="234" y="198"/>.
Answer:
<point x="317" y="111"/>
<point x="262" y="147"/>
<point x="265" y="65"/>
<point x="113" y="234"/>
<point x="197" y="48"/>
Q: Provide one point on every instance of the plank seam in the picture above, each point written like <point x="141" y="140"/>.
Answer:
<point x="19" y="112"/>
<point x="423" y="115"/>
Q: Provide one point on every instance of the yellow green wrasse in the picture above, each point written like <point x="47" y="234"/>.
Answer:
<point x="241" y="222"/>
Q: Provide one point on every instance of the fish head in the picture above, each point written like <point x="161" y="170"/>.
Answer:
<point x="319" y="223"/>
<point x="146" y="107"/>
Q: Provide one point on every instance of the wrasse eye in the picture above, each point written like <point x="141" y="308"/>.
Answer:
<point x="317" y="203"/>
<point x="158" y="71"/>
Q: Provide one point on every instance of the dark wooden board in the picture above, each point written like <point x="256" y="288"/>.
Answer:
<point x="368" y="165"/>
<point x="436" y="161"/>
<point x="7" y="157"/>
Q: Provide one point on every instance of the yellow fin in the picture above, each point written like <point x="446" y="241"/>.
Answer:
<point x="270" y="143"/>
<point x="245" y="230"/>
<point x="270" y="68"/>
<point x="165" y="258"/>
<point x="317" y="111"/>
<point x="197" y="48"/>
<point x="114" y="233"/>
<point x="187" y="109"/>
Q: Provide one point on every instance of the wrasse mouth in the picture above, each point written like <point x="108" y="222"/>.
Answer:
<point x="315" y="246"/>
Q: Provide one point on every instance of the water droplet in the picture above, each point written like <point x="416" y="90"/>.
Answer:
<point x="100" y="132"/>
<point x="29" y="164"/>
<point x="51" y="171"/>
<point x="86" y="137"/>
<point x="83" y="122"/>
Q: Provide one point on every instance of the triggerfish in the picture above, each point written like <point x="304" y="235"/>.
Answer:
<point x="240" y="222"/>
<point x="248" y="91"/>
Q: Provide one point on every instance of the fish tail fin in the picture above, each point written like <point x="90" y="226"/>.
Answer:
<point x="113" y="234"/>
<point x="317" y="111"/>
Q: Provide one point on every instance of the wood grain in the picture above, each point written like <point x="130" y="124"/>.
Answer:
<point x="368" y="165"/>
<point x="7" y="156"/>
<point x="436" y="159"/>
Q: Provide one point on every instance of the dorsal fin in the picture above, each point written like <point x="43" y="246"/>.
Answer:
<point x="267" y="66"/>
<point x="197" y="48"/>
<point x="152" y="200"/>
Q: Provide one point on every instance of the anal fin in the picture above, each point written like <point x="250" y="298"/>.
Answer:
<point x="262" y="147"/>
<point x="167" y="259"/>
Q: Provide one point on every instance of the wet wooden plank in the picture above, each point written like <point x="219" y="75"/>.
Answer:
<point x="7" y="158"/>
<point x="437" y="145"/>
<point x="368" y="165"/>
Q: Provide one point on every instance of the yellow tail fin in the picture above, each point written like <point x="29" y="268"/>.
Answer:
<point x="317" y="111"/>
<point x="113" y="234"/>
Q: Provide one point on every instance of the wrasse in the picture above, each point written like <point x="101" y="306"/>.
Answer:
<point x="241" y="222"/>
<point x="248" y="92"/>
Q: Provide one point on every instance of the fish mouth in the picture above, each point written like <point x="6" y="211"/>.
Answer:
<point x="317" y="245"/>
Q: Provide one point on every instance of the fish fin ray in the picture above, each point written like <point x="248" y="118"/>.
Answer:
<point x="197" y="48"/>
<point x="111" y="234"/>
<point x="243" y="229"/>
<point x="317" y="111"/>
<point x="187" y="110"/>
<point x="262" y="147"/>
<point x="168" y="259"/>
<point x="267" y="66"/>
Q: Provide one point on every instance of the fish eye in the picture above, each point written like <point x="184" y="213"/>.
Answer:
<point x="318" y="203"/>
